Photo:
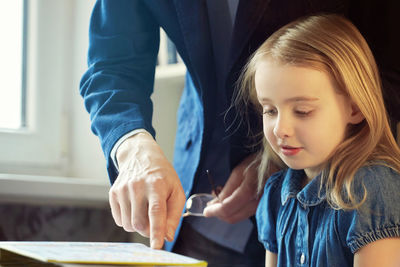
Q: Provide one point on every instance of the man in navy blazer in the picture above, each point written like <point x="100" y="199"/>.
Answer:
<point x="147" y="196"/>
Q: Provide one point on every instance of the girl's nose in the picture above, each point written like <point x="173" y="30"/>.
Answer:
<point x="283" y="128"/>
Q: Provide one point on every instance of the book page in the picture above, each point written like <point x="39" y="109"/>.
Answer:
<point x="99" y="253"/>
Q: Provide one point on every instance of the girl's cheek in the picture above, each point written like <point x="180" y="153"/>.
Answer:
<point x="268" y="133"/>
<point x="266" y="129"/>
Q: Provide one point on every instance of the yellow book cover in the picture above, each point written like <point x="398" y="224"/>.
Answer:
<point x="99" y="253"/>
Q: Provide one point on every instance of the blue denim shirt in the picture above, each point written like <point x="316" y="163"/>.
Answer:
<point x="298" y="224"/>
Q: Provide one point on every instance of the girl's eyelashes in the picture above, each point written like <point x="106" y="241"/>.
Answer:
<point x="298" y="112"/>
<point x="269" y="111"/>
<point x="303" y="113"/>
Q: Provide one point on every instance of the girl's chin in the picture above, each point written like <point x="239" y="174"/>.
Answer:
<point x="294" y="165"/>
<point x="305" y="167"/>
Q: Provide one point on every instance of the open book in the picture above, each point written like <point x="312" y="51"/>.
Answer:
<point x="90" y="253"/>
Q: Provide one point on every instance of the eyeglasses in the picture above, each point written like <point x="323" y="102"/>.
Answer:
<point x="196" y="203"/>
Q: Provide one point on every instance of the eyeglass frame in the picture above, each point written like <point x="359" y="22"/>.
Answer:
<point x="215" y="190"/>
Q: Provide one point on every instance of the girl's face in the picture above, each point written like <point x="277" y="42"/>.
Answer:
<point x="304" y="118"/>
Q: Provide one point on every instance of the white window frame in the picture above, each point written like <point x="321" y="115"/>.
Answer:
<point x="41" y="144"/>
<point x="53" y="159"/>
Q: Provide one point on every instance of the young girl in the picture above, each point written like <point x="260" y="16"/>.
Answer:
<point x="317" y="86"/>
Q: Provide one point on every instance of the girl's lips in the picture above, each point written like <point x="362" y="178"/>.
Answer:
<point x="290" y="151"/>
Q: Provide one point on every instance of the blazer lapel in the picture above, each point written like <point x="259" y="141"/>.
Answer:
<point x="248" y="16"/>
<point x="193" y="19"/>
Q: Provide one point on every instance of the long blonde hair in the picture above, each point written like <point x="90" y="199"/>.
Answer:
<point x="332" y="44"/>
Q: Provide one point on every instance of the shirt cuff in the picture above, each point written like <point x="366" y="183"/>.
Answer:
<point x="113" y="153"/>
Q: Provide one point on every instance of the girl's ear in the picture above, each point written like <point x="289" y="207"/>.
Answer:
<point x="356" y="116"/>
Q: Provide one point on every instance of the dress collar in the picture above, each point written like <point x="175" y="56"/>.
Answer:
<point x="311" y="195"/>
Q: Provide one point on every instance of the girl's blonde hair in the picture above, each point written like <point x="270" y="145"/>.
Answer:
<point x="332" y="44"/>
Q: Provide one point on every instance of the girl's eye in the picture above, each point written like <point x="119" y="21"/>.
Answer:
<point x="303" y="113"/>
<point x="270" y="111"/>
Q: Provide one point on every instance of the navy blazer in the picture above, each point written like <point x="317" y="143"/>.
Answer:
<point x="123" y="47"/>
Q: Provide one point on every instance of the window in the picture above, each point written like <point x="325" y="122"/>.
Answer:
<point x="31" y="122"/>
<point x="12" y="53"/>
<point x="53" y="141"/>
<point x="54" y="136"/>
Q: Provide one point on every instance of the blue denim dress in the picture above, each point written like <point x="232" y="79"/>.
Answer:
<point x="298" y="224"/>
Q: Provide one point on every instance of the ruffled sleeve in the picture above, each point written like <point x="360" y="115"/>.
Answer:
<point x="379" y="216"/>
<point x="267" y="212"/>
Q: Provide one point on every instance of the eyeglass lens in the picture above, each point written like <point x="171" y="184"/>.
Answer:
<point x="196" y="204"/>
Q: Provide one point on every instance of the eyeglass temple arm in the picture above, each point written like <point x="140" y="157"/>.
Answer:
<point x="213" y="187"/>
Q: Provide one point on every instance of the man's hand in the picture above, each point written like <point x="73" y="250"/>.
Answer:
<point x="238" y="199"/>
<point x="147" y="196"/>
